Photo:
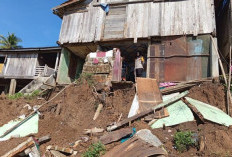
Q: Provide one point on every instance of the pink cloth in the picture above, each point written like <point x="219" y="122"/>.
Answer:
<point x="101" y="54"/>
<point x="167" y="84"/>
<point x="95" y="61"/>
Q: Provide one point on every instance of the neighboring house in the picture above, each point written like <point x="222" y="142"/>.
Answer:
<point x="173" y="36"/>
<point x="18" y="67"/>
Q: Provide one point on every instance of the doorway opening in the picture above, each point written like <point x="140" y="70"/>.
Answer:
<point x="129" y="52"/>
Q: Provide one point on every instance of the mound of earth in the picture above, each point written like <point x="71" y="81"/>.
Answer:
<point x="66" y="117"/>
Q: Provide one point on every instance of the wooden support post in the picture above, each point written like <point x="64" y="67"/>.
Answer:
<point x="219" y="59"/>
<point x="214" y="60"/>
<point x="57" y="60"/>
<point x="148" y="59"/>
<point x="12" y="86"/>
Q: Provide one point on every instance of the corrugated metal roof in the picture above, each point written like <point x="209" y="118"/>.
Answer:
<point x="41" y="49"/>
<point x="143" y="20"/>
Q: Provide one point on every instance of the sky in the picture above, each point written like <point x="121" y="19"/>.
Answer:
<point x="31" y="20"/>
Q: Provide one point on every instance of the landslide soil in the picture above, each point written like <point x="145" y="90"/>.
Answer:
<point x="78" y="105"/>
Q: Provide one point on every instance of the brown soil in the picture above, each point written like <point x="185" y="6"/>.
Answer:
<point x="210" y="93"/>
<point x="78" y="106"/>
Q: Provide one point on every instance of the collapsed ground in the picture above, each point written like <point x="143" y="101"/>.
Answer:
<point x="78" y="104"/>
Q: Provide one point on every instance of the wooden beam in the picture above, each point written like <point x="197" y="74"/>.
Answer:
<point x="20" y="148"/>
<point x="130" y="2"/>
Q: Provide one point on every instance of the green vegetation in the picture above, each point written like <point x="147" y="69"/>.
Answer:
<point x="27" y="96"/>
<point x="183" y="140"/>
<point x="9" y="42"/>
<point x="15" y="96"/>
<point x="95" y="150"/>
<point x="88" y="77"/>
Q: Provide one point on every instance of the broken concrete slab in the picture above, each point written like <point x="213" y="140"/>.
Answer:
<point x="147" y="136"/>
<point x="211" y="113"/>
<point x="115" y="135"/>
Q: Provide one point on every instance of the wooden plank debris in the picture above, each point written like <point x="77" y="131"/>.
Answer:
<point x="184" y="86"/>
<point x="144" y="113"/>
<point x="194" y="109"/>
<point x="134" y="147"/>
<point x="60" y="149"/>
<point x="115" y="135"/>
<point x="93" y="130"/>
<point x="99" y="108"/>
<point x="144" y="143"/>
<point x="34" y="150"/>
<point x="21" y="147"/>
<point x="57" y="153"/>
<point x="148" y="93"/>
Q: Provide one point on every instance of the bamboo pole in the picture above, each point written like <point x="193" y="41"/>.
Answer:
<point x="228" y="87"/>
<point x="219" y="59"/>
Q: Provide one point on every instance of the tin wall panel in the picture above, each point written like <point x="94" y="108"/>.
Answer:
<point x="180" y="59"/>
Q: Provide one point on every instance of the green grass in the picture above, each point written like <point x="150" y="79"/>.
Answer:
<point x="15" y="96"/>
<point x="95" y="150"/>
<point x="183" y="140"/>
<point x="27" y="96"/>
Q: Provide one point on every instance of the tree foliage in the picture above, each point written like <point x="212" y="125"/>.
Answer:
<point x="9" y="42"/>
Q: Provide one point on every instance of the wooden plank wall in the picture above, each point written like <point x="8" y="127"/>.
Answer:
<point x="142" y="21"/>
<point x="115" y="23"/>
<point x="21" y="65"/>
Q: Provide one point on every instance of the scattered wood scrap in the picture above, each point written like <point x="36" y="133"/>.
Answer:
<point x="21" y="147"/>
<point x="57" y="153"/>
<point x="93" y="130"/>
<point x="60" y="149"/>
<point x="144" y="113"/>
<point x="184" y="86"/>
<point x="34" y="150"/>
<point x="99" y="108"/>
<point x="194" y="110"/>
<point x="139" y="145"/>
<point x="115" y="135"/>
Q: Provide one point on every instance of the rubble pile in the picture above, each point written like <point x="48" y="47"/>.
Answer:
<point x="66" y="125"/>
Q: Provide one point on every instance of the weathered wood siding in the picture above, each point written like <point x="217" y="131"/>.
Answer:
<point x="142" y="21"/>
<point x="115" y="23"/>
<point x="21" y="65"/>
